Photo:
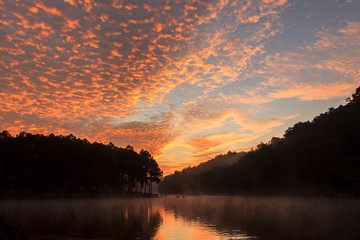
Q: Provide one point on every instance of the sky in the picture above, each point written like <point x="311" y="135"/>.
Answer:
<point x="186" y="80"/>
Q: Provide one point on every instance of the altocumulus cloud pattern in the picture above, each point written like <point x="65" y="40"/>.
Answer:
<point x="184" y="79"/>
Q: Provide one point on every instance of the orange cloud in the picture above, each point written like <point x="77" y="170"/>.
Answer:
<point x="50" y="10"/>
<point x="311" y="92"/>
<point x="203" y="143"/>
<point x="112" y="71"/>
<point x="333" y="53"/>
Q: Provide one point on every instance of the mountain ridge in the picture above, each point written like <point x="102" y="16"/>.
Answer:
<point x="313" y="158"/>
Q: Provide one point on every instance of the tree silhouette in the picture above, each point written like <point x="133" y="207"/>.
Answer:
<point x="38" y="165"/>
<point x="321" y="157"/>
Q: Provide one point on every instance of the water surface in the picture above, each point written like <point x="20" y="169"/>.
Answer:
<point x="201" y="217"/>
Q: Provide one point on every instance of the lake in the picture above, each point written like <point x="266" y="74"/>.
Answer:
<point x="191" y="217"/>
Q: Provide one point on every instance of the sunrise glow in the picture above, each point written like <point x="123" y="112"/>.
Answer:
<point x="186" y="80"/>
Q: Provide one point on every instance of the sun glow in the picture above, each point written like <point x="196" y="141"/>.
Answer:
<point x="185" y="80"/>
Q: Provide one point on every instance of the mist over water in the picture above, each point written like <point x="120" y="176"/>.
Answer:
<point x="195" y="217"/>
<point x="274" y="218"/>
<point x="83" y="219"/>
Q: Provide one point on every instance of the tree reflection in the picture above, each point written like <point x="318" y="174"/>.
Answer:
<point x="206" y="217"/>
<point x="83" y="219"/>
<point x="273" y="218"/>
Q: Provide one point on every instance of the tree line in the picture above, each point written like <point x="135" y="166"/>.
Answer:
<point x="66" y="166"/>
<point x="318" y="157"/>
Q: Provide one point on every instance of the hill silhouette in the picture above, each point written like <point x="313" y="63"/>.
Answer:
<point x="317" y="158"/>
<point x="179" y="182"/>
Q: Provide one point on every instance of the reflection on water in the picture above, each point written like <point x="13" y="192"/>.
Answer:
<point x="180" y="227"/>
<point x="273" y="218"/>
<point x="185" y="218"/>
<point x="83" y="219"/>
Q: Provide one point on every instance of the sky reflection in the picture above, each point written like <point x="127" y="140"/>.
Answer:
<point x="201" y="217"/>
<point x="177" y="227"/>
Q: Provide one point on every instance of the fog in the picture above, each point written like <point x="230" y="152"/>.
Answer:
<point x="83" y="219"/>
<point x="275" y="218"/>
<point x="203" y="217"/>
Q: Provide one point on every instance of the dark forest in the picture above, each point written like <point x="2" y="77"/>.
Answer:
<point x="34" y="165"/>
<point x="314" y="158"/>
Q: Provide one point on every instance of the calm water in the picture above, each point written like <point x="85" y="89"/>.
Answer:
<point x="186" y="218"/>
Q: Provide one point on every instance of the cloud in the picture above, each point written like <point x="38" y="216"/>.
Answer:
<point x="203" y="143"/>
<point x="311" y="92"/>
<point x="150" y="136"/>
<point x="325" y="69"/>
<point x="213" y="126"/>
<point x="110" y="70"/>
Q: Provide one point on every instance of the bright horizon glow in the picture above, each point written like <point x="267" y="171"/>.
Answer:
<point x="186" y="80"/>
<point x="176" y="227"/>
